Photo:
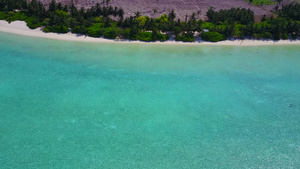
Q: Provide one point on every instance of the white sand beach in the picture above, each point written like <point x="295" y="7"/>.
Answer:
<point x="20" y="28"/>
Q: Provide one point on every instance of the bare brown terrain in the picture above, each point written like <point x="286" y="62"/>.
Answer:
<point x="182" y="8"/>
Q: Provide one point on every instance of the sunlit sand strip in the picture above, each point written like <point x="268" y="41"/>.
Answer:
<point x="20" y="28"/>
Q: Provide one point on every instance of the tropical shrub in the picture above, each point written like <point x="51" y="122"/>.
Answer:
<point x="94" y="31"/>
<point x="3" y="15"/>
<point x="125" y="33"/>
<point x="13" y="16"/>
<point x="32" y="23"/>
<point x="212" y="36"/>
<point x="284" y="36"/>
<point x="294" y="36"/>
<point x="47" y="29"/>
<point x="185" y="37"/>
<point x="162" y="37"/>
<point x="60" y="29"/>
<point x="208" y="26"/>
<point x="79" y="30"/>
<point x="111" y="32"/>
<point x="267" y="35"/>
<point x="257" y="36"/>
<point x="145" y="36"/>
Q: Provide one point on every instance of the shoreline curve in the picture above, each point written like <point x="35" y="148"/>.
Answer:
<point x="20" y="28"/>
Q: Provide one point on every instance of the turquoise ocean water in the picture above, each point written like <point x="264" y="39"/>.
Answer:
<point x="93" y="105"/>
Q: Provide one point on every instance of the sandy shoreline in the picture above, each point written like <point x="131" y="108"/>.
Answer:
<point x="20" y="28"/>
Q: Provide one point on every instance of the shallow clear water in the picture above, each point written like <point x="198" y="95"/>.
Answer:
<point x="93" y="105"/>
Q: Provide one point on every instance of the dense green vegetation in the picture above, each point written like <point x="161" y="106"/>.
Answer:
<point x="261" y="2"/>
<point x="212" y="36"/>
<point x="242" y="16"/>
<point x="185" y="37"/>
<point x="97" y="22"/>
<point x="291" y="11"/>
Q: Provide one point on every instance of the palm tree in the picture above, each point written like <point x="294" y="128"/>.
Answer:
<point x="172" y="15"/>
<point x="121" y="13"/>
<point x="137" y="14"/>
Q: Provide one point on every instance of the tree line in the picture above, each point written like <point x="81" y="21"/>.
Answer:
<point x="106" y="21"/>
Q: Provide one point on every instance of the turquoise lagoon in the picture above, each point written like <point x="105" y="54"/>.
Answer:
<point x="110" y="105"/>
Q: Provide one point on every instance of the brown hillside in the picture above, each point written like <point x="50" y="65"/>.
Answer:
<point x="181" y="7"/>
